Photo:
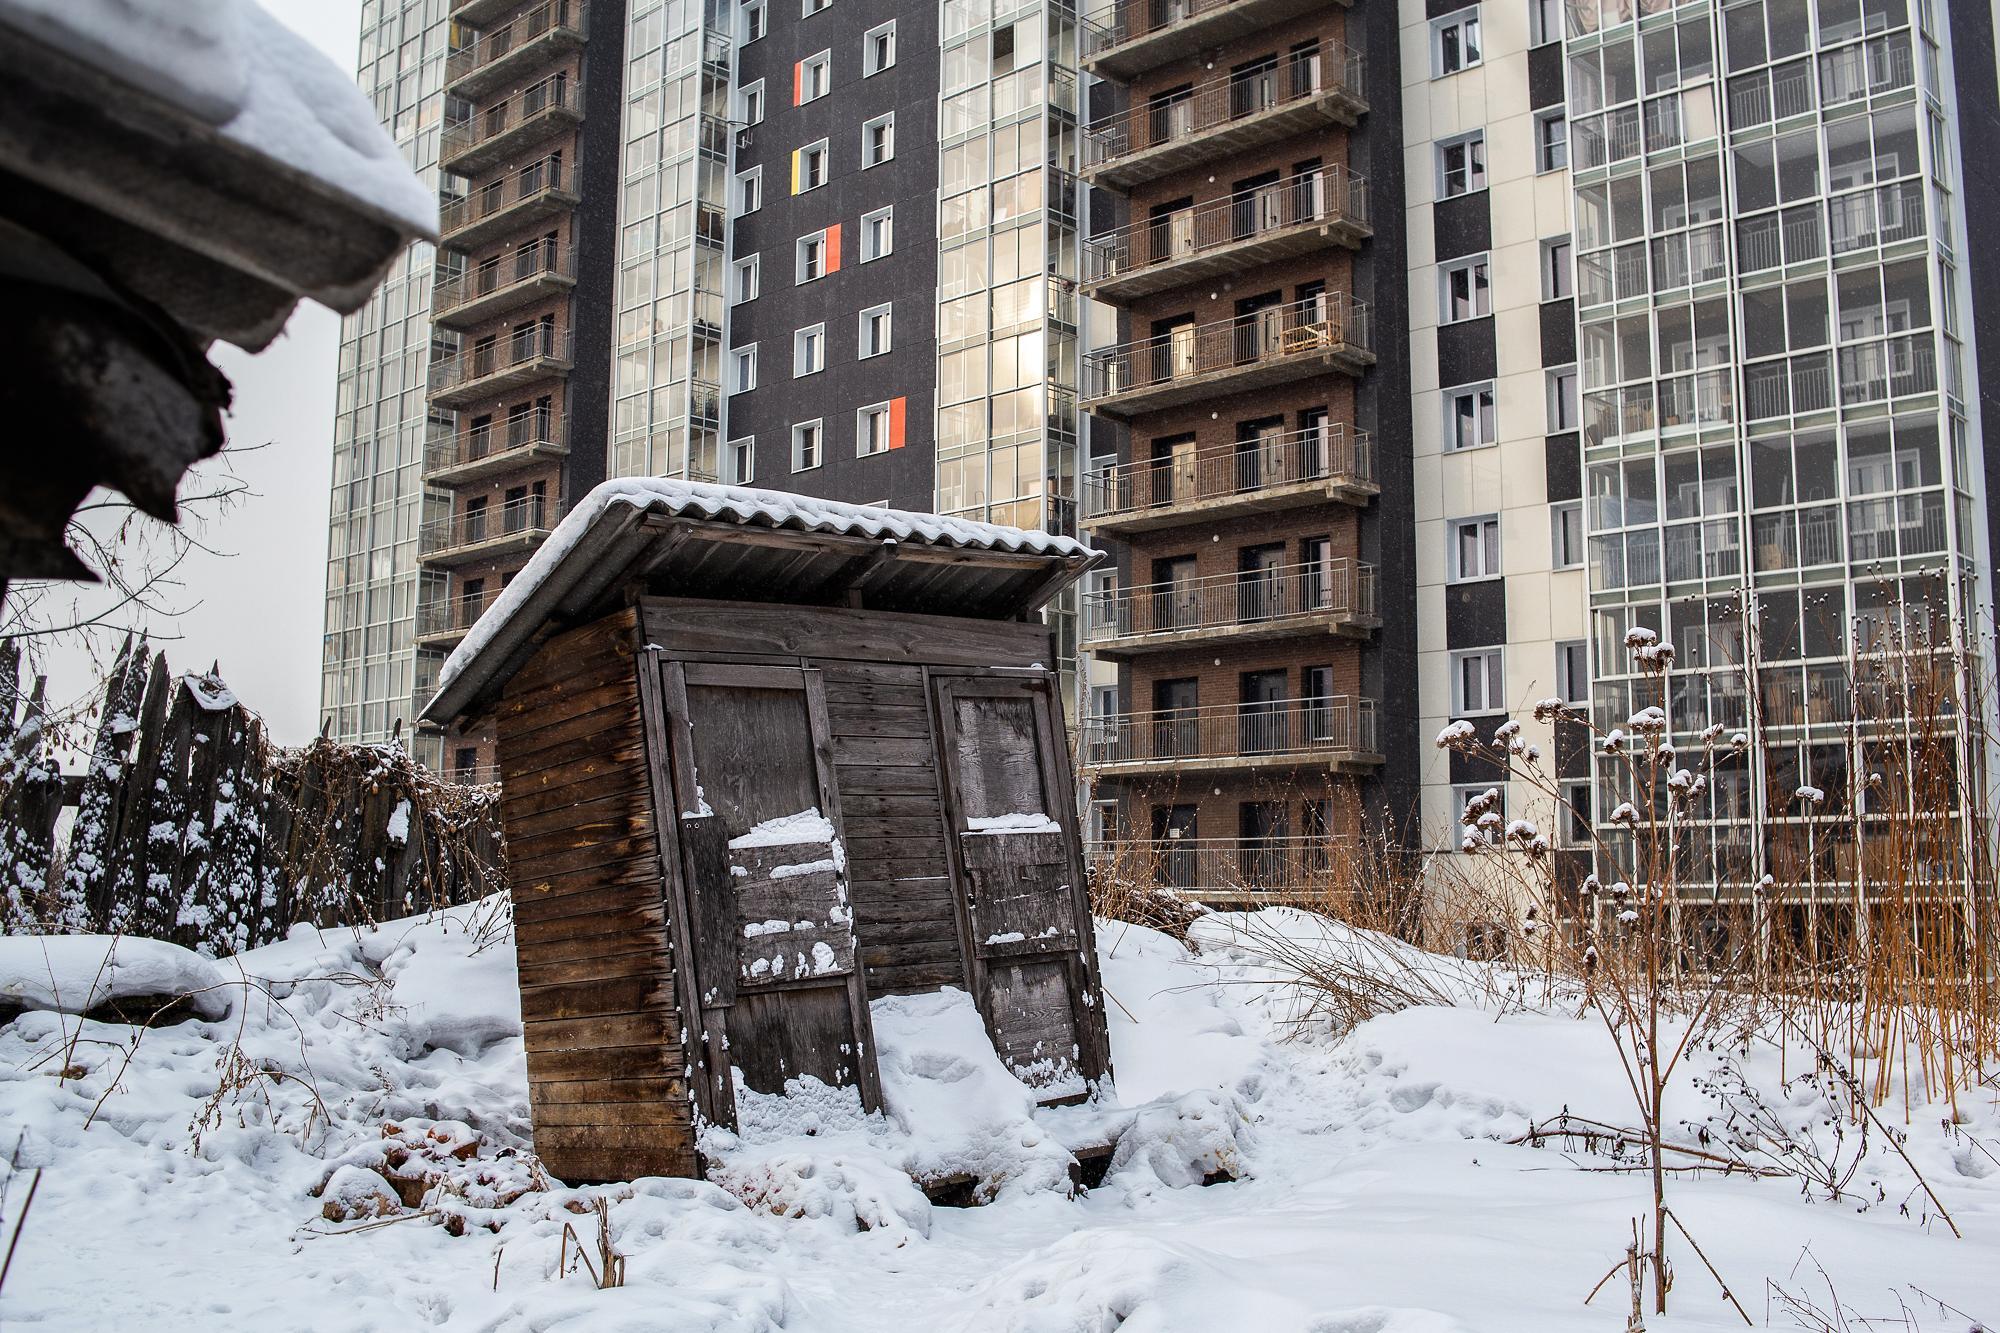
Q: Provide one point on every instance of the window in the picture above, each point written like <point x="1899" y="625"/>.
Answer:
<point x="750" y="103"/>
<point x="748" y="280"/>
<point x="1474" y="552"/>
<point x="811" y="258"/>
<point x="749" y="190"/>
<point x="743" y="368"/>
<point x="1564" y="413"/>
<point x="809" y="167"/>
<point x="1454" y="42"/>
<point x="878" y="49"/>
<point x="738" y="460"/>
<point x="878" y="234"/>
<point x="805" y="446"/>
<point x="1545" y="22"/>
<point x="1476" y="685"/>
<point x="1566" y="534"/>
<point x="1551" y="141"/>
<point x="1573" y="671"/>
<point x="875" y="331"/>
<point x="810" y="7"/>
<point x="812" y="78"/>
<point x="1573" y="819"/>
<point x="878" y="140"/>
<point x="809" y="351"/>
<point x="871" y="430"/>
<point x="1464" y="291"/>
<point x="1468" y="417"/>
<point x="1556" y="269"/>
<point x="1462" y="798"/>
<point x="753" y="21"/>
<point x="1462" y="165"/>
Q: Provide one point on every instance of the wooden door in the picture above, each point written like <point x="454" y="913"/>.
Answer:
<point x="1019" y="871"/>
<point x="763" y="878"/>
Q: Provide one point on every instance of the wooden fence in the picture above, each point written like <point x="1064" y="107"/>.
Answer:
<point x="192" y="827"/>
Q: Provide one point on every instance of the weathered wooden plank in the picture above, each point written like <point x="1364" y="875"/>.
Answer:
<point x="603" y="1032"/>
<point x="910" y="805"/>
<point x="776" y="1035"/>
<point x="620" y="749"/>
<point x="565" y="1115"/>
<point x="915" y="980"/>
<point x="877" y="866"/>
<point x="598" y="967"/>
<point x="1033" y="1024"/>
<point x="526" y="719"/>
<point x="717" y="928"/>
<point x="606" y="1091"/>
<point x="858" y="720"/>
<point x="622" y="814"/>
<point x="861" y="674"/>
<point x="555" y="740"/>
<point x="604" y="640"/>
<point x="553" y="854"/>
<point x="838" y="632"/>
<point x="654" y="1060"/>
<point x="598" y="999"/>
<point x="914" y="928"/>
<point x="576" y="1165"/>
<point x="905" y="953"/>
<point x="859" y="778"/>
<point x="914" y="886"/>
<point x="883" y="752"/>
<point x="927" y="845"/>
<point x="547" y="913"/>
<point x="669" y="1141"/>
<point x="875" y="914"/>
<point x="842" y="692"/>
<point x="898" y="829"/>
<point x="533" y="799"/>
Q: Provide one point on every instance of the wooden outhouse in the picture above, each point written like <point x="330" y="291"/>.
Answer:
<point x="762" y="758"/>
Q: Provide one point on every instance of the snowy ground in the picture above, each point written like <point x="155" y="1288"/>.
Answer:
<point x="1378" y="1194"/>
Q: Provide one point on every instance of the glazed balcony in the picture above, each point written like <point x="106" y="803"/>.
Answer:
<point x="482" y="533"/>
<point x="1324" y="597"/>
<point x="529" y="40"/>
<point x="487" y="138"/>
<point x="496" y="448"/>
<point x="506" y="282"/>
<point x="1127" y="39"/>
<point x="519" y="199"/>
<point x="1337" y="730"/>
<point x="1307" y="212"/>
<point x="1221" y="117"/>
<point x="1275" y="869"/>
<point x="1227" y="356"/>
<point x="443" y="622"/>
<point x="1331" y="462"/>
<point x="536" y="352"/>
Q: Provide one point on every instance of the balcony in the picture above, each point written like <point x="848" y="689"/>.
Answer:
<point x="1332" y="596"/>
<point x="1337" y="730"/>
<point x="443" y="622"/>
<point x="1331" y="462"/>
<point x="1274" y="869"/>
<point x="488" y="369"/>
<point x="1224" y="116"/>
<point x="480" y="13"/>
<point x="1128" y="38"/>
<point x="1290" y="217"/>
<point x="488" y="138"/>
<point x="534" y="272"/>
<point x="486" y="531"/>
<point x="531" y="39"/>
<point x="495" y="448"/>
<point x="1192" y="361"/>
<point x="518" y="199"/>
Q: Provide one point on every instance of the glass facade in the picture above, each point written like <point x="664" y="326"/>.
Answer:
<point x="672" y="241"/>
<point x="369" y="676"/>
<point x="1777" y="469"/>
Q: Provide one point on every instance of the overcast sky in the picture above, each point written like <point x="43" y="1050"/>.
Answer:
<point x="258" y="610"/>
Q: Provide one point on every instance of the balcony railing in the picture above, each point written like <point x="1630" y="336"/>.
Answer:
<point x="533" y="352"/>
<point x="450" y="617"/>
<point x="1223" y="115"/>
<point x="1266" y="346"/>
<point x="488" y="137"/>
<point x="504" y="282"/>
<point x="501" y="51"/>
<point x="1337" y="727"/>
<point x="1129" y="37"/>
<point x="1227" y="868"/>
<point x="496" y="446"/>
<point x="1335" y="459"/>
<point x="1264" y="603"/>
<point x="1265" y="222"/>
<point x="535" y="191"/>
<point x="472" y="531"/>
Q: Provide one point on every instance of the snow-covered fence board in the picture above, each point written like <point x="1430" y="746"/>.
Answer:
<point x="192" y="827"/>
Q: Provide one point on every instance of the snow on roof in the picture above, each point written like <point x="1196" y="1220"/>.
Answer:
<point x="741" y="504"/>
<point x="233" y="65"/>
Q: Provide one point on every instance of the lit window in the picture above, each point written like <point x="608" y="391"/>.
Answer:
<point x="1474" y="551"/>
<point x="805" y="446"/>
<point x="743" y="363"/>
<point x="1462" y="165"/>
<point x="809" y="351"/>
<point x="1469" y="418"/>
<point x="1464" y="290"/>
<point x="749" y="279"/>
<point x="750" y="190"/>
<point x="878" y="49"/>
<point x="1454" y="42"/>
<point x="1476" y="681"/>
<point x="1551" y="141"/>
<point x="871" y="430"/>
<point x="878" y="234"/>
<point x="875" y="331"/>
<point x="1566" y="534"/>
<point x="878" y="140"/>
